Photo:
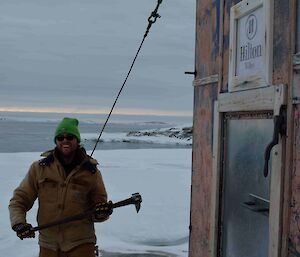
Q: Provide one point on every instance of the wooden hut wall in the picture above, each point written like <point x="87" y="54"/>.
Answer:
<point x="211" y="66"/>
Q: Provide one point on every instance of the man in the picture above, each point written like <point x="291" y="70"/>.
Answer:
<point x="66" y="182"/>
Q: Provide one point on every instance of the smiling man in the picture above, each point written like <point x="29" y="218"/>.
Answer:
<point x="66" y="182"/>
<point x="67" y="139"/>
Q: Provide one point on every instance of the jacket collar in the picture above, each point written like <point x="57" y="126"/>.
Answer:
<point x="84" y="160"/>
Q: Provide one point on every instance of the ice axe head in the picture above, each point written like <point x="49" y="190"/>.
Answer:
<point x="136" y="200"/>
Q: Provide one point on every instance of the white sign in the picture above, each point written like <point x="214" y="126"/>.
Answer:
<point x="250" y="44"/>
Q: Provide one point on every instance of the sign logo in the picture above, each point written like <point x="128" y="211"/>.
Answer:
<point x="251" y="26"/>
<point x="250" y="47"/>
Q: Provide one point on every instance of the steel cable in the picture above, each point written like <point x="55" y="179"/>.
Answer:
<point x="151" y="20"/>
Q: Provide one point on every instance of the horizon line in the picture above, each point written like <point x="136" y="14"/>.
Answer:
<point x="123" y="111"/>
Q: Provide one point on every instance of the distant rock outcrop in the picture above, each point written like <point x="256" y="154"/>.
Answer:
<point x="184" y="133"/>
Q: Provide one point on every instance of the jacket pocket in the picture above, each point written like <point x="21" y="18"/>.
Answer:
<point x="78" y="193"/>
<point x="48" y="190"/>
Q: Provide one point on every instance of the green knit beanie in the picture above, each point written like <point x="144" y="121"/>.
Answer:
<point x="68" y="126"/>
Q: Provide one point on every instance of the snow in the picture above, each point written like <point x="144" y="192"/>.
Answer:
<point x="156" y="136"/>
<point x="123" y="137"/>
<point x="161" y="176"/>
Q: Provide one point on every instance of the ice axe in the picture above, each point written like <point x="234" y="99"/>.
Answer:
<point x="135" y="199"/>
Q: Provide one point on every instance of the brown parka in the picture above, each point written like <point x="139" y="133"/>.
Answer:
<point x="60" y="196"/>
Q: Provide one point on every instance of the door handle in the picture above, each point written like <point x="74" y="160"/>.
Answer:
<point x="279" y="129"/>
<point x="257" y="204"/>
<point x="254" y="207"/>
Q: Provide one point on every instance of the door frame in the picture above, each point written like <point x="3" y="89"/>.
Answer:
<point x="270" y="98"/>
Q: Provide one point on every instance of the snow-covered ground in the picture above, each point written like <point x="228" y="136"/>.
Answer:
<point x="161" y="176"/>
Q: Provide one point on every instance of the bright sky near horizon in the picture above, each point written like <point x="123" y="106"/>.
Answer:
<point x="73" y="56"/>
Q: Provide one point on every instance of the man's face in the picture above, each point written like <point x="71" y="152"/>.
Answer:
<point x="66" y="144"/>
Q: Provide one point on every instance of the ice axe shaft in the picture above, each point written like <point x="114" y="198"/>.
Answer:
<point x="64" y="220"/>
<point x="135" y="199"/>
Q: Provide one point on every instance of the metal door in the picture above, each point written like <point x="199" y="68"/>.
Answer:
<point x="245" y="212"/>
<point x="245" y="192"/>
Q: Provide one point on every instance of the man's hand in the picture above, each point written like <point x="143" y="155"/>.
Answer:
<point x="23" y="230"/>
<point x="105" y="209"/>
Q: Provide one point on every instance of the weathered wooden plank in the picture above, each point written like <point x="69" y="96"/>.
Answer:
<point x="282" y="49"/>
<point x="249" y="100"/>
<point x="275" y="219"/>
<point x="207" y="38"/>
<point x="284" y="19"/>
<point x="216" y="177"/>
<point x="207" y="80"/>
<point x="294" y="235"/>
<point x="296" y="80"/>
<point x="202" y="171"/>
<point x="225" y="43"/>
<point x="205" y="92"/>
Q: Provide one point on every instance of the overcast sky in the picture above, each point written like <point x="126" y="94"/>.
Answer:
<point x="73" y="55"/>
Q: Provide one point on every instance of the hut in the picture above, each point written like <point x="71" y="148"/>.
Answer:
<point x="245" y="194"/>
